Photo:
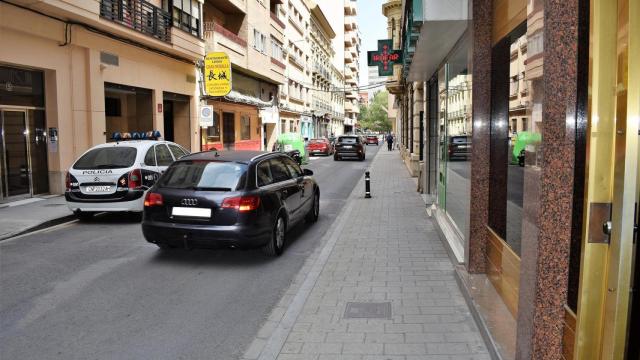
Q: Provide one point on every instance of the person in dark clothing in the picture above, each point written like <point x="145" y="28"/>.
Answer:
<point x="389" y="142"/>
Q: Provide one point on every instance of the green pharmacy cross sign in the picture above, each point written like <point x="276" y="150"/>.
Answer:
<point x="385" y="57"/>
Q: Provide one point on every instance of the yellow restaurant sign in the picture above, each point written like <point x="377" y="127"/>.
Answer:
<point x="217" y="74"/>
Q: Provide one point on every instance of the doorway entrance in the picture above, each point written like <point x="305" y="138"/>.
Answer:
<point x="607" y="326"/>
<point x="23" y="153"/>
<point x="176" y="114"/>
<point x="228" y="131"/>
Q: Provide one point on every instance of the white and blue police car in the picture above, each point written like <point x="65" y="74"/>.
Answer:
<point x="115" y="176"/>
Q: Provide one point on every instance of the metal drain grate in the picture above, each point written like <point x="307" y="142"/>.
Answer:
<point x="363" y="310"/>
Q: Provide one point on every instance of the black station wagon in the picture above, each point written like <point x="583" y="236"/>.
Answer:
<point x="241" y="199"/>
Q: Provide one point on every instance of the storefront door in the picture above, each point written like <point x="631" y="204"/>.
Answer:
<point x="16" y="177"/>
<point x="606" y="301"/>
<point x="228" y="130"/>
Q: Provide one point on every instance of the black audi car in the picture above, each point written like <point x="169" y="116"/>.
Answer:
<point x="241" y="199"/>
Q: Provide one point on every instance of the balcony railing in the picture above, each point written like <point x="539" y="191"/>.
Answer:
<point x="140" y="16"/>
<point x="278" y="63"/>
<point x="210" y="26"/>
<point x="274" y="17"/>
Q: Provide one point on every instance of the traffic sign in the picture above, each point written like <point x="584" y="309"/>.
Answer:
<point x="206" y="115"/>
<point x="217" y="74"/>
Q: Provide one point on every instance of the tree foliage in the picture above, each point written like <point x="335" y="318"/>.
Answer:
<point x="374" y="117"/>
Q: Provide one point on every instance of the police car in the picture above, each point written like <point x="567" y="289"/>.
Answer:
<point x="114" y="177"/>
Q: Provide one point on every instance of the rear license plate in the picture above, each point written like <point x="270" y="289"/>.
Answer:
<point x="347" y="147"/>
<point x="98" y="188"/>
<point x="191" y="212"/>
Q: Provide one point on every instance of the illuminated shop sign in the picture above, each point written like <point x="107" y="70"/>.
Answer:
<point x="385" y="57"/>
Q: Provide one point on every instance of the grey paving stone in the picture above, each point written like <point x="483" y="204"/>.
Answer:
<point x="389" y="252"/>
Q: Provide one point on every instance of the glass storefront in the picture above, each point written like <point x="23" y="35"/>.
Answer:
<point x="455" y="130"/>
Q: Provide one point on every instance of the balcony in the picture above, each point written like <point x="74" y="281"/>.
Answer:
<point x="139" y="15"/>
<point x="274" y="17"/>
<point x="218" y="38"/>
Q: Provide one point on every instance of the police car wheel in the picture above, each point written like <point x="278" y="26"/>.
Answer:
<point x="84" y="216"/>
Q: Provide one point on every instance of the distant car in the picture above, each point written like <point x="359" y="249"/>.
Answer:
<point x="372" y="139"/>
<point x="351" y="146"/>
<point x="114" y="177"/>
<point x="459" y="147"/>
<point x="320" y="146"/>
<point x="242" y="199"/>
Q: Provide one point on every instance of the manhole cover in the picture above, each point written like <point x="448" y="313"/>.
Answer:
<point x="362" y="310"/>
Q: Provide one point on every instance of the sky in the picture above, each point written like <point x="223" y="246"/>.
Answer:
<point x="373" y="26"/>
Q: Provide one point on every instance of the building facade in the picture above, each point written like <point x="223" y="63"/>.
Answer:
<point x="529" y="164"/>
<point x="322" y="53"/>
<point x="295" y="97"/>
<point x="352" y="44"/>
<point x="89" y="69"/>
<point x="252" y="34"/>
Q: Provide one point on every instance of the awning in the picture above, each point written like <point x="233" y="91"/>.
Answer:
<point x="237" y="97"/>
<point x="443" y="24"/>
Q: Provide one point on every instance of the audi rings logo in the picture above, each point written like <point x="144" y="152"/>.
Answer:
<point x="189" y="202"/>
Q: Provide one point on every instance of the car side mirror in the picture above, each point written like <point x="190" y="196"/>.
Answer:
<point x="307" y="172"/>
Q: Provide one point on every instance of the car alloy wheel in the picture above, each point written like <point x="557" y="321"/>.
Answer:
<point x="280" y="233"/>
<point x="276" y="243"/>
<point x="314" y="212"/>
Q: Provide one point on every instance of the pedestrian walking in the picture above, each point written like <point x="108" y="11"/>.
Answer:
<point x="389" y="142"/>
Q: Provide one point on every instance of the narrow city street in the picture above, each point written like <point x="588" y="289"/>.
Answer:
<point x="98" y="290"/>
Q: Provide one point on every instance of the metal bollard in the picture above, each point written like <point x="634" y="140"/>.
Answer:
<point x="367" y="185"/>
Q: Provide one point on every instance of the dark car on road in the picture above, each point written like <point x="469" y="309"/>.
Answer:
<point x="351" y="146"/>
<point x="372" y="139"/>
<point x="459" y="147"/>
<point x="241" y="199"/>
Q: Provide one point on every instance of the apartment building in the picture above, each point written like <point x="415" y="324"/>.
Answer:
<point x="295" y="94"/>
<point x="336" y="126"/>
<point x="72" y="72"/>
<point x="252" y="34"/>
<point x="322" y="53"/>
<point x="352" y="43"/>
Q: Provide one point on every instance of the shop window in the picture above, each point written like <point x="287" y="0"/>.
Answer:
<point x="454" y="167"/>
<point x="112" y="106"/>
<point x="506" y="184"/>
<point x="245" y="127"/>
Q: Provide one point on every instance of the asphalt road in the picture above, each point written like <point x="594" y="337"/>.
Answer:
<point x="100" y="291"/>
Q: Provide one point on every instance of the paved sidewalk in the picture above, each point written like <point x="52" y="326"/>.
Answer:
<point x="383" y="251"/>
<point x="31" y="214"/>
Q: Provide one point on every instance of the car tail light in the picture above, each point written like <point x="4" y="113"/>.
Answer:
<point x="153" y="199"/>
<point x="71" y="182"/>
<point x="135" y="179"/>
<point x="242" y="203"/>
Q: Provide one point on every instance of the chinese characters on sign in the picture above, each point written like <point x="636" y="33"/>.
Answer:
<point x="217" y="74"/>
<point x="384" y="58"/>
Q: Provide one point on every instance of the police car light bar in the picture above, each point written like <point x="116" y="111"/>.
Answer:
<point x="149" y="135"/>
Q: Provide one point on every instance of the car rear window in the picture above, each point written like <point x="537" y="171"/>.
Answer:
<point x="107" y="158"/>
<point x="347" y="140"/>
<point x="460" y="140"/>
<point x="204" y="175"/>
<point x="316" y="141"/>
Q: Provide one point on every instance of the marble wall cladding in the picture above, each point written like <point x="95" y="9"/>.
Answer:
<point x="557" y="177"/>
<point x="481" y="92"/>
